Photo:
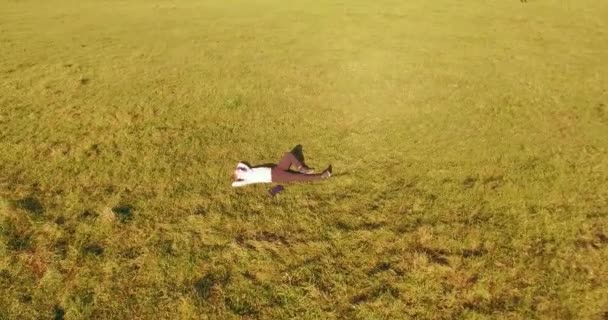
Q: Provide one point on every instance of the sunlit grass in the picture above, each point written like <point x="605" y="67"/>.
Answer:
<point x="469" y="143"/>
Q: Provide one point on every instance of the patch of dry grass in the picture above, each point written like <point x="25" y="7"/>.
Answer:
<point x="468" y="140"/>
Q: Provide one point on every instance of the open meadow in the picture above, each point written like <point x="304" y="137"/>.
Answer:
<point x="469" y="141"/>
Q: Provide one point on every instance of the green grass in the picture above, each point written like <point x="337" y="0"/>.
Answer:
<point x="469" y="141"/>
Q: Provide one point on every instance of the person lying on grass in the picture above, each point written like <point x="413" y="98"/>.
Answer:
<point x="245" y="174"/>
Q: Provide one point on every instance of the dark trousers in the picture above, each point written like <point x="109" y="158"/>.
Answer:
<point x="282" y="174"/>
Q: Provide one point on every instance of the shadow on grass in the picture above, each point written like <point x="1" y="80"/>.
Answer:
<point x="88" y="214"/>
<point x="241" y="307"/>
<point x="93" y="250"/>
<point x="19" y="242"/>
<point x="439" y="256"/>
<point x="19" y="238"/>
<point x="124" y="213"/>
<point x="204" y="286"/>
<point x="31" y="205"/>
<point x="61" y="248"/>
<point x="384" y="266"/>
<point x="58" y="313"/>
<point x="374" y="293"/>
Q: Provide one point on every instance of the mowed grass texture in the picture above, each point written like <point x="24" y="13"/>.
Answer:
<point x="469" y="141"/>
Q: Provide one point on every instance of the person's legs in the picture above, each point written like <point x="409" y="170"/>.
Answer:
<point x="287" y="161"/>
<point x="283" y="176"/>
<point x="298" y="153"/>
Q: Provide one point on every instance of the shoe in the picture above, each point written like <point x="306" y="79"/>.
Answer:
<point x="306" y="170"/>
<point x="327" y="172"/>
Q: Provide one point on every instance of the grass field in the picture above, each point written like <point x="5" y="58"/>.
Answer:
<point x="469" y="141"/>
